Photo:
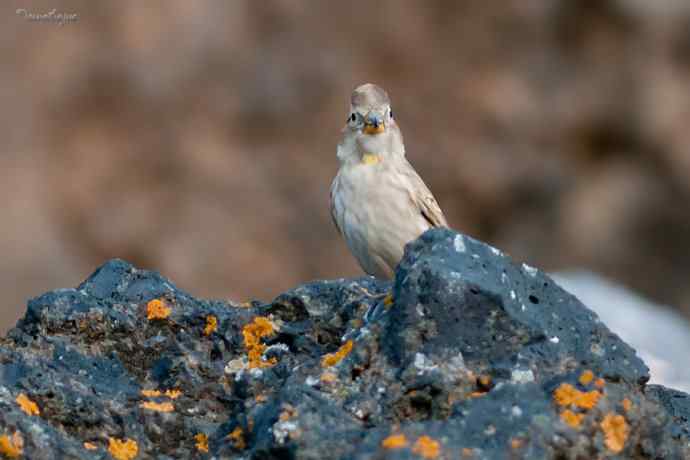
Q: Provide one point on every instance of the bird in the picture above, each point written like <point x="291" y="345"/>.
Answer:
<point x="378" y="202"/>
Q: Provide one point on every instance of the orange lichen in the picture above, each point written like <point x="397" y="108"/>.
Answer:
<point x="157" y="309"/>
<point x="394" y="441"/>
<point x="571" y="418"/>
<point x="427" y="447"/>
<point x="467" y="452"/>
<point x="125" y="449"/>
<point x="615" y="431"/>
<point x="158" y="407"/>
<point x="586" y="377"/>
<point x="253" y="333"/>
<point x="388" y="300"/>
<point x="12" y="446"/>
<point x="90" y="446"/>
<point x="627" y="404"/>
<point x="599" y="383"/>
<point x="28" y="406"/>
<point x="516" y="443"/>
<point x="566" y="394"/>
<point x="172" y="394"/>
<point x="211" y="325"/>
<point x="237" y="437"/>
<point x="201" y="442"/>
<point x="332" y="359"/>
<point x="477" y="394"/>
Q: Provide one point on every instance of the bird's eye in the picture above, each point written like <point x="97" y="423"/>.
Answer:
<point x="390" y="113"/>
<point x="353" y="117"/>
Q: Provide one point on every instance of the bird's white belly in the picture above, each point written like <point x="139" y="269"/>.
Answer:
<point x="377" y="218"/>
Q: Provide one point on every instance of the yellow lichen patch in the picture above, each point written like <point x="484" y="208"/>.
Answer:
<point x="201" y="442"/>
<point x="158" y="407"/>
<point x="477" y="394"/>
<point x="237" y="437"/>
<point x="388" y="300"/>
<point x="253" y="333"/>
<point x="599" y="383"/>
<point x="615" y="431"/>
<point x="586" y="377"/>
<point x="211" y="325"/>
<point x="467" y="452"/>
<point x="90" y="446"/>
<point x="571" y="418"/>
<point x="394" y="441"/>
<point x="28" y="406"/>
<point x="157" y="309"/>
<point x="566" y="394"/>
<point x="12" y="446"/>
<point x="261" y="398"/>
<point x="125" y="449"/>
<point x="627" y="404"/>
<point x="427" y="447"/>
<point x="332" y="359"/>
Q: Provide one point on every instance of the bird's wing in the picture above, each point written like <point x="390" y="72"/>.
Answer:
<point x="421" y="197"/>
<point x="334" y="187"/>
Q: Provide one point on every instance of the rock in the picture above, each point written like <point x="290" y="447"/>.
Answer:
<point x="660" y="335"/>
<point x="465" y="355"/>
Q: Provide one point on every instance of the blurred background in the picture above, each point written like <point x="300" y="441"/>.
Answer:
<point x="198" y="139"/>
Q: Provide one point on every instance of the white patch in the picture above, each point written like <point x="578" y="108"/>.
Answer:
<point x="311" y="381"/>
<point x="531" y="271"/>
<point x="523" y="308"/>
<point x="423" y="364"/>
<point x="496" y="251"/>
<point x="513" y="295"/>
<point x="420" y="310"/>
<point x="459" y="243"/>
<point x="236" y="366"/>
<point x="554" y="339"/>
<point x="282" y="430"/>
<point x="277" y="346"/>
<point x="516" y="411"/>
<point x="521" y="376"/>
<point x="504" y="278"/>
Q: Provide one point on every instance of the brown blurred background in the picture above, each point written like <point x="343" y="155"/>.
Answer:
<point x="198" y="139"/>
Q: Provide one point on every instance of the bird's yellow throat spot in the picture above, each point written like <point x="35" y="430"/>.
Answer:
<point x="370" y="159"/>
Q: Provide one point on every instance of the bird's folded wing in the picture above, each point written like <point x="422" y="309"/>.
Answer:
<point x="334" y="186"/>
<point x="421" y="197"/>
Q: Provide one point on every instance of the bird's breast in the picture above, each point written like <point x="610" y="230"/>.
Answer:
<point x="374" y="211"/>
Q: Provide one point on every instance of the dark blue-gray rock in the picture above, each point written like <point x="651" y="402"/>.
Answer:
<point x="465" y="355"/>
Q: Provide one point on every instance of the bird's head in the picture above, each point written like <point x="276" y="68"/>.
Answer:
<point x="370" y="120"/>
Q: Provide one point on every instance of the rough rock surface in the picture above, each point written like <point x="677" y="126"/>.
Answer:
<point x="465" y="355"/>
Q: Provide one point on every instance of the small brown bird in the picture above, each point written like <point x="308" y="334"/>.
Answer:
<point x="378" y="202"/>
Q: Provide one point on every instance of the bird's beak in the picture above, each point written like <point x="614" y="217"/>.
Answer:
<point x="373" y="124"/>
